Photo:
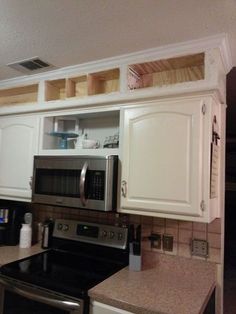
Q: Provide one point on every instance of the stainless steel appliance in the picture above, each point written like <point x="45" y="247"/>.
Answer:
<point x="57" y="281"/>
<point x="76" y="181"/>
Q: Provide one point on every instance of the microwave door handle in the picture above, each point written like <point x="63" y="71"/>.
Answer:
<point x="82" y="183"/>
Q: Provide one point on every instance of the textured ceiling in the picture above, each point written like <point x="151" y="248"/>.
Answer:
<point x="68" y="32"/>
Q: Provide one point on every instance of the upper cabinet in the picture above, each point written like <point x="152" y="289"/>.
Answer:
<point x="159" y="110"/>
<point x="170" y="159"/>
<point x="18" y="145"/>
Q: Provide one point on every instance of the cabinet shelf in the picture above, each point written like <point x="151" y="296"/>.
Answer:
<point x="77" y="86"/>
<point x="97" y="126"/>
<point x="166" y="71"/>
<point x="103" y="82"/>
<point x="55" y="89"/>
<point x="18" y="95"/>
<point x="81" y="152"/>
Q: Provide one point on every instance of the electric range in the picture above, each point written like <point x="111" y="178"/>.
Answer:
<point x="57" y="280"/>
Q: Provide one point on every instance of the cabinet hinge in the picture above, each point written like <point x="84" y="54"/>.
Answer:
<point x="203" y="109"/>
<point x="202" y="205"/>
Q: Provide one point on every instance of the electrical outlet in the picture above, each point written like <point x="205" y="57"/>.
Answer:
<point x="167" y="241"/>
<point x="199" y="248"/>
<point x="155" y="239"/>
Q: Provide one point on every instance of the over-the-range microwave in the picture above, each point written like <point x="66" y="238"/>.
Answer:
<point x="88" y="182"/>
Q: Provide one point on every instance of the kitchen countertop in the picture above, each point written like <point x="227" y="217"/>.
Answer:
<point x="166" y="285"/>
<point x="12" y="253"/>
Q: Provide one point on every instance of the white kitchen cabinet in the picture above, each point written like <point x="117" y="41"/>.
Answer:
<point x="166" y="157"/>
<point x="18" y="144"/>
<point x="101" y="308"/>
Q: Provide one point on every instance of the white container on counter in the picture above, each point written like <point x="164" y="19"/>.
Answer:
<point x="25" y="236"/>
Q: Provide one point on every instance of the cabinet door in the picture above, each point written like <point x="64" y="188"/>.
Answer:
<point x="100" y="308"/>
<point x="18" y="144"/>
<point x="162" y="157"/>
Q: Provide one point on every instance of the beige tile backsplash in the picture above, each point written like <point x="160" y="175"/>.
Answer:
<point x="183" y="231"/>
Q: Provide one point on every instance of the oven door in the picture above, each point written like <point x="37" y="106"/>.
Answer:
<point x="16" y="297"/>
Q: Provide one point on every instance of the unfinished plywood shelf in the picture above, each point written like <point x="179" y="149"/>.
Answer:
<point x="77" y="86"/>
<point x="166" y="71"/>
<point x="104" y="82"/>
<point x="55" y="89"/>
<point x="18" y="95"/>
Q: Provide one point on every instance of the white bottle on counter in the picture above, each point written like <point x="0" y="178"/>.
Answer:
<point x="25" y="236"/>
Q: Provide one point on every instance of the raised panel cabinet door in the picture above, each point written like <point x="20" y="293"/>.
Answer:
<point x="18" y="145"/>
<point x="162" y="157"/>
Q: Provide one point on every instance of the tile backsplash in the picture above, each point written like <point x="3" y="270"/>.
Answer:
<point x="182" y="231"/>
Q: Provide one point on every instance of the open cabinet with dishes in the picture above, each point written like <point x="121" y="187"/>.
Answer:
<point x="81" y="133"/>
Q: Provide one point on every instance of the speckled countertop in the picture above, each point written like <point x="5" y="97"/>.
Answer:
<point x="12" y="253"/>
<point x="166" y="285"/>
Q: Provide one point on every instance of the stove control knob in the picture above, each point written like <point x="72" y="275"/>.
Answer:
<point x="59" y="227"/>
<point x="104" y="233"/>
<point x="111" y="234"/>
<point x="65" y="227"/>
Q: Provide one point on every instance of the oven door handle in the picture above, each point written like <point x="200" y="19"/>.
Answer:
<point x="82" y="184"/>
<point x="41" y="296"/>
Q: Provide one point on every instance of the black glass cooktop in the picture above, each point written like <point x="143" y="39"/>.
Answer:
<point x="63" y="272"/>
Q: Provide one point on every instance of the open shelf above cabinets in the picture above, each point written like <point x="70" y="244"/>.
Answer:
<point x="77" y="86"/>
<point x="166" y="71"/>
<point x="95" y="133"/>
<point x="162" y="72"/>
<point x="103" y="82"/>
<point x="55" y="89"/>
<point x="19" y="95"/>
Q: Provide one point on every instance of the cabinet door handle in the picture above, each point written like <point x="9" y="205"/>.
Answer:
<point x="124" y="188"/>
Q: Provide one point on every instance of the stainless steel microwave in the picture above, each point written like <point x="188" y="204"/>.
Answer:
<point x="88" y="182"/>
